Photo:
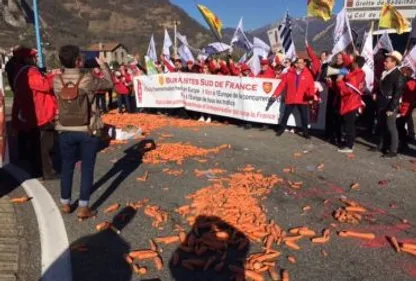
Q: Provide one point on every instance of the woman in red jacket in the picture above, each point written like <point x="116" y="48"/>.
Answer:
<point x="350" y="90"/>
<point x="299" y="86"/>
<point x="121" y="86"/>
<point x="406" y="107"/>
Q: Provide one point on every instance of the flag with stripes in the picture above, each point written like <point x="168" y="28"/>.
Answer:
<point x="286" y="39"/>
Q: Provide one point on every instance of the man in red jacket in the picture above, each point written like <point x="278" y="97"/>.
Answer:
<point x="33" y="114"/>
<point x="299" y="86"/>
<point x="350" y="89"/>
<point x="266" y="70"/>
<point x="406" y="107"/>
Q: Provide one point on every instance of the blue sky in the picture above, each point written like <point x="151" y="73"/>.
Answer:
<point x="256" y="13"/>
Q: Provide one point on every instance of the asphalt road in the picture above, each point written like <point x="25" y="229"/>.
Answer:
<point x="348" y="259"/>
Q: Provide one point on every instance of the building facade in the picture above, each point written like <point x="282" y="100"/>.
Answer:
<point x="111" y="52"/>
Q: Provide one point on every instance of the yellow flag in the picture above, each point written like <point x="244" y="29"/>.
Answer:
<point x="391" y="18"/>
<point x="213" y="21"/>
<point x="320" y="8"/>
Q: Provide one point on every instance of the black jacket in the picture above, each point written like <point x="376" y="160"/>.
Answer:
<point x="391" y="91"/>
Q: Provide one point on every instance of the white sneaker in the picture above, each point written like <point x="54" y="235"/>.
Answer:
<point x="346" y="150"/>
<point x="202" y="119"/>
<point x="208" y="120"/>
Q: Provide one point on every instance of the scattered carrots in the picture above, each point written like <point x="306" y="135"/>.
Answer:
<point x="159" y="216"/>
<point x="143" y="254"/>
<point x="20" y="200"/>
<point x="168" y="239"/>
<point x="177" y="152"/>
<point x="106" y="225"/>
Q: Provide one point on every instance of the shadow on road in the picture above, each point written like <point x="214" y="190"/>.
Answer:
<point x="99" y="256"/>
<point x="208" y="250"/>
<point x="131" y="160"/>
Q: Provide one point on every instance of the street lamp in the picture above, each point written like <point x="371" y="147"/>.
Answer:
<point x="37" y="32"/>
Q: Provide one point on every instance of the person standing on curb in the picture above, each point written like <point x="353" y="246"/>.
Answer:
<point x="78" y="124"/>
<point x="392" y="83"/>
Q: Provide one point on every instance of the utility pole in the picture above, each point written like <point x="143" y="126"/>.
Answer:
<point x="175" y="44"/>
<point x="37" y="32"/>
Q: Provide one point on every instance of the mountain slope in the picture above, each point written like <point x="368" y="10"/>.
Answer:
<point x="83" y="22"/>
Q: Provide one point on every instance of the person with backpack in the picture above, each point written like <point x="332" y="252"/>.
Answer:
<point x="79" y="123"/>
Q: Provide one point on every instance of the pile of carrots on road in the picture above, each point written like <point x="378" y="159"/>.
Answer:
<point x="149" y="122"/>
<point x="178" y="152"/>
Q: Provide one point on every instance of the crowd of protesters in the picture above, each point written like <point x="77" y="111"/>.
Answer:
<point x="70" y="100"/>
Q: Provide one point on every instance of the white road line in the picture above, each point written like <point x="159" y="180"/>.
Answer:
<point x="56" y="259"/>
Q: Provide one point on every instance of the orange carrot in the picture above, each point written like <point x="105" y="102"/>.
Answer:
<point x="409" y="246"/>
<point x="128" y="259"/>
<point x="292" y="238"/>
<point x="167" y="240"/>
<point x="209" y="263"/>
<point x="394" y="242"/>
<point x="292" y="245"/>
<point x="320" y="240"/>
<point x="307" y="232"/>
<point x="291" y="259"/>
<point x="273" y="274"/>
<point x="153" y="245"/>
<point x="247" y="273"/>
<point x="139" y="270"/>
<point x="355" y="186"/>
<point x="269" y="241"/>
<point x="143" y="254"/>
<point x="355" y="209"/>
<point x="222" y="235"/>
<point x="306" y="208"/>
<point x="144" y="177"/>
<point x="268" y="257"/>
<point x="112" y="208"/>
<point x="182" y="237"/>
<point x="158" y="263"/>
<point x="285" y="275"/>
<point x="20" y="200"/>
<point x="409" y="251"/>
<point x="360" y="235"/>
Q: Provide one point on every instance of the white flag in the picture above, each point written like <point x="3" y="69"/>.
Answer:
<point x="240" y="39"/>
<point x="384" y="43"/>
<point x="342" y="33"/>
<point x="216" y="47"/>
<point x="151" y="51"/>
<point x="185" y="54"/>
<point x="167" y="43"/>
<point x="368" y="54"/>
<point x="243" y="58"/>
<point x="254" y="62"/>
<point x="182" y="38"/>
<point x="262" y="49"/>
<point x="410" y="59"/>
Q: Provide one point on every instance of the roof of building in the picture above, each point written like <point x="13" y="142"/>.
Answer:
<point x="108" y="47"/>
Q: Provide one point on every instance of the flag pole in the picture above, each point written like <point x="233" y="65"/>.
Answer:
<point x="37" y="31"/>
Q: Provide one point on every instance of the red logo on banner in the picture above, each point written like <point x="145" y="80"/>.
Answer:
<point x="267" y="87"/>
<point x="139" y="92"/>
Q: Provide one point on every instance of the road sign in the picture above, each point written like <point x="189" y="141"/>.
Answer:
<point x="370" y="9"/>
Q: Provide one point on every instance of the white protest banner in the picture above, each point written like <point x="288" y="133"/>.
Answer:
<point x="368" y="54"/>
<point x="342" y="33"/>
<point x="410" y="59"/>
<point x="3" y="135"/>
<point x="242" y="98"/>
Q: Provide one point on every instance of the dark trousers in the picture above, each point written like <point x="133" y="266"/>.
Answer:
<point x="72" y="143"/>
<point x="349" y="128"/>
<point x="387" y="128"/>
<point x="47" y="141"/>
<point x="333" y="121"/>
<point x="303" y="110"/>
<point x="123" y="99"/>
<point x="100" y="100"/>
<point x="110" y="99"/>
<point x="29" y="150"/>
<point x="401" y="129"/>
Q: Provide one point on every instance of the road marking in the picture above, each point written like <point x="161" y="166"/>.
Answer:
<point x="56" y="259"/>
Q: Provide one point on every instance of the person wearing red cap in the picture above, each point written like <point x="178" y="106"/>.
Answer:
<point x="266" y="70"/>
<point x="33" y="113"/>
<point x="246" y="71"/>
<point x="299" y="86"/>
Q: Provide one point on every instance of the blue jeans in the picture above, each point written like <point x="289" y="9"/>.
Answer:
<point x="72" y="143"/>
<point x="123" y="99"/>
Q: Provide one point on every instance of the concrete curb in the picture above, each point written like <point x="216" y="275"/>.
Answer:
<point x="56" y="259"/>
